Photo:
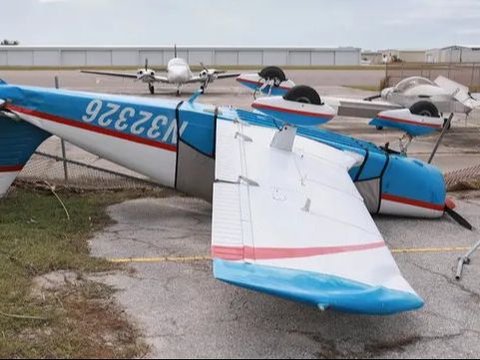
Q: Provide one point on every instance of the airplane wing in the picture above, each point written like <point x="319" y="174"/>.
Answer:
<point x="227" y="76"/>
<point x="292" y="224"/>
<point x="161" y="79"/>
<point x="109" y="73"/>
<point x="218" y="77"/>
<point x="195" y="79"/>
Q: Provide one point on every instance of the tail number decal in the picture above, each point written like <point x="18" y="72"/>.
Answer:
<point x="141" y="123"/>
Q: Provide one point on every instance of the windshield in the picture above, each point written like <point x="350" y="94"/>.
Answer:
<point x="176" y="62"/>
<point x="411" y="82"/>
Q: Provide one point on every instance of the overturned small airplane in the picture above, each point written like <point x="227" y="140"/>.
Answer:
<point x="416" y="105"/>
<point x="291" y="201"/>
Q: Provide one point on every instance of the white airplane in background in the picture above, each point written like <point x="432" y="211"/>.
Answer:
<point x="178" y="73"/>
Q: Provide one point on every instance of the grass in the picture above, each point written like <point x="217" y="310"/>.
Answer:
<point x="76" y="321"/>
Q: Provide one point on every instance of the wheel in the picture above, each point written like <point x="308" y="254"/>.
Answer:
<point x="424" y="108"/>
<point x="304" y="94"/>
<point x="273" y="73"/>
<point x="151" y="88"/>
<point x="445" y="122"/>
<point x="379" y="127"/>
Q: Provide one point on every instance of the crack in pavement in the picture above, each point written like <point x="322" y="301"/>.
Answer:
<point x="451" y="281"/>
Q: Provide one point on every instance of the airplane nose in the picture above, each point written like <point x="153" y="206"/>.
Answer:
<point x="175" y="76"/>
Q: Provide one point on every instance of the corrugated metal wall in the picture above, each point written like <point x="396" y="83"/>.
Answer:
<point x="454" y="54"/>
<point x="157" y="56"/>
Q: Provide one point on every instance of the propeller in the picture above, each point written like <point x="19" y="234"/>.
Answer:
<point x="146" y="64"/>
<point x="211" y="71"/>
<point x="175" y="50"/>
<point x="209" y="75"/>
<point x="449" y="206"/>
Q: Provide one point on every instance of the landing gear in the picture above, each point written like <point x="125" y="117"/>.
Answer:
<point x="404" y="142"/>
<point x="446" y="126"/>
<point x="151" y="88"/>
<point x="447" y="123"/>
<point x="424" y="108"/>
<point x="303" y="94"/>
<point x="179" y="90"/>
<point x="273" y="76"/>
<point x="273" y="73"/>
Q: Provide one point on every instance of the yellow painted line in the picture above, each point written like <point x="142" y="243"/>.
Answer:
<point x="162" y="259"/>
<point x="429" y="250"/>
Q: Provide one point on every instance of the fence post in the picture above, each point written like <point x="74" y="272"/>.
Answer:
<point x="473" y="76"/>
<point x="62" y="142"/>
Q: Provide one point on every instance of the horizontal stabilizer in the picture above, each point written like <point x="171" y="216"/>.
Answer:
<point x="403" y="119"/>
<point x="18" y="141"/>
<point x="294" y="112"/>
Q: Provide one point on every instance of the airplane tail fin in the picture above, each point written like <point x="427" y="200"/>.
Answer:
<point x="18" y="141"/>
<point x="460" y="92"/>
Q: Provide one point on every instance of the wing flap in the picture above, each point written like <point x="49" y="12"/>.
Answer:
<point x="286" y="216"/>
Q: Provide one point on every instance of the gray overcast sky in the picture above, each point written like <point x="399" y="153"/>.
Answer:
<point x="370" y="24"/>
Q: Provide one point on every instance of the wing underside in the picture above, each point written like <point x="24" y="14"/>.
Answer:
<point x="292" y="224"/>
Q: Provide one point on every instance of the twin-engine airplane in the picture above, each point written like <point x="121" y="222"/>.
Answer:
<point x="291" y="201"/>
<point x="178" y="73"/>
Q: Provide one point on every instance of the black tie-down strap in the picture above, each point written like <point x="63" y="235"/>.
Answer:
<point x="177" y="119"/>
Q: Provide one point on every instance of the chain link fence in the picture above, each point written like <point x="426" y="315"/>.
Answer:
<point x="81" y="170"/>
<point x="68" y="166"/>
<point x="467" y="74"/>
<point x="463" y="179"/>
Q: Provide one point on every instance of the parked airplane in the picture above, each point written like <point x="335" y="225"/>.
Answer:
<point x="178" y="73"/>
<point x="276" y="184"/>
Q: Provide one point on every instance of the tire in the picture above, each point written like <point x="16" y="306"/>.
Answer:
<point x="445" y="123"/>
<point x="273" y="73"/>
<point x="303" y="94"/>
<point x="379" y="127"/>
<point x="424" y="108"/>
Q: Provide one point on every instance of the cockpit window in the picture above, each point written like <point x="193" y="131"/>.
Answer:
<point x="176" y="61"/>
<point x="411" y="82"/>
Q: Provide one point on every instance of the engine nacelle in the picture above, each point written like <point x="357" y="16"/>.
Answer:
<point x="145" y="72"/>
